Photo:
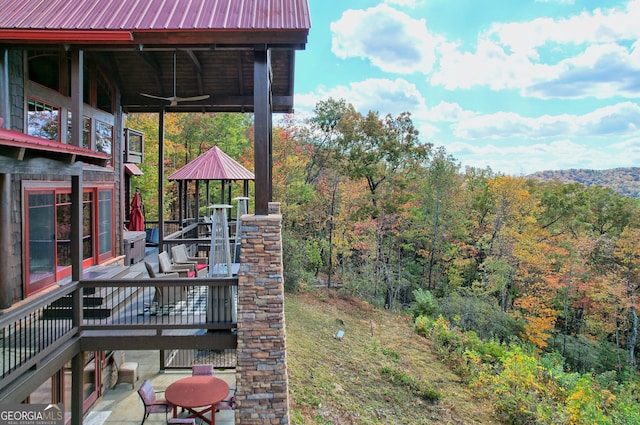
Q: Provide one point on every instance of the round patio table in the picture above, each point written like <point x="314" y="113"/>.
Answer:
<point x="194" y="392"/>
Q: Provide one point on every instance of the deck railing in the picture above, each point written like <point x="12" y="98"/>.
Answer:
<point x="163" y="306"/>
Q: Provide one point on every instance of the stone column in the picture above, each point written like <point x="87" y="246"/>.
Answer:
<point x="262" y="383"/>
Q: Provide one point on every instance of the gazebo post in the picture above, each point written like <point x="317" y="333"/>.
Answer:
<point x="180" y="206"/>
<point x="208" y="200"/>
<point x="197" y="201"/>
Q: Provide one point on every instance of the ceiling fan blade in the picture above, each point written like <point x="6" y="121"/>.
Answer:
<point x="156" y="97"/>
<point x="192" y="98"/>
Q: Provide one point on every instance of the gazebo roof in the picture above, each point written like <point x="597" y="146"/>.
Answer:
<point x="213" y="165"/>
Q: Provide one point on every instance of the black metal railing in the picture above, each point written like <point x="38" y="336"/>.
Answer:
<point x="160" y="304"/>
<point x="27" y="334"/>
<point x="37" y="329"/>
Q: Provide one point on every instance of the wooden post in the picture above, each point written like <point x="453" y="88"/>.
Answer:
<point x="262" y="128"/>
<point x="5" y="239"/>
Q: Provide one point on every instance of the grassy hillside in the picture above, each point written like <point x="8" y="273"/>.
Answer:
<point x="381" y="372"/>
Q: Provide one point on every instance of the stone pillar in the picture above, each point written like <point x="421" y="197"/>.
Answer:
<point x="262" y="383"/>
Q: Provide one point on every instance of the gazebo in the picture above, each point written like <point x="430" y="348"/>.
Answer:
<point x="213" y="165"/>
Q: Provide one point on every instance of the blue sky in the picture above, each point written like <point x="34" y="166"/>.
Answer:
<point x="516" y="85"/>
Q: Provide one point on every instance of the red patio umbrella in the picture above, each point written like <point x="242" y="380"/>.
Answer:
<point x="136" y="219"/>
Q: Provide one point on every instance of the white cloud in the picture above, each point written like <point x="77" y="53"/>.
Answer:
<point x="374" y="94"/>
<point x="391" y="40"/>
<point x="448" y="111"/>
<point x="526" y="159"/>
<point x="489" y="65"/>
<point x="586" y="55"/>
<point x="601" y="71"/>
<point x="407" y="3"/>
<point x="598" y="26"/>
<point x="619" y="119"/>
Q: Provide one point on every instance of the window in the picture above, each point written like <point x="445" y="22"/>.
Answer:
<point x="49" y="115"/>
<point x="48" y="229"/>
<point x="133" y="142"/>
<point x="41" y="240"/>
<point x="86" y="131"/>
<point x="104" y="139"/>
<point x="43" y="120"/>
<point x="104" y="93"/>
<point x="105" y="223"/>
<point x="44" y="68"/>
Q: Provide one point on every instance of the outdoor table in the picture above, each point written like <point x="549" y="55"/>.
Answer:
<point x="197" y="392"/>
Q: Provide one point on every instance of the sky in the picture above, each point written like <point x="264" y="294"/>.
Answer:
<point x="515" y="85"/>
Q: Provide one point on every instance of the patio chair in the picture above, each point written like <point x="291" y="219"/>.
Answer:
<point x="202" y="369"/>
<point x="228" y="403"/>
<point x="153" y="404"/>
<point x="165" y="295"/>
<point x="181" y="256"/>
<point x="153" y="274"/>
<point x="166" y="266"/>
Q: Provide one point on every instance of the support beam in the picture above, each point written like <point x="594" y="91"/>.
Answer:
<point x="77" y="390"/>
<point x="76" y="227"/>
<point x="262" y="128"/>
<point x="6" y="298"/>
<point x="161" y="180"/>
<point x="77" y="72"/>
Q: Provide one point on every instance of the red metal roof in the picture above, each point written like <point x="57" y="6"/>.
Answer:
<point x="23" y="142"/>
<point x="213" y="165"/>
<point x="154" y="15"/>
<point x="132" y="169"/>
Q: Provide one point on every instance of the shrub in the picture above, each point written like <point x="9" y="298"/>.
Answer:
<point x="481" y="315"/>
<point x="424" y="304"/>
<point x="417" y="387"/>
<point x="422" y="325"/>
<point x="300" y="262"/>
<point x="586" y="403"/>
<point x="524" y="395"/>
<point x="585" y="355"/>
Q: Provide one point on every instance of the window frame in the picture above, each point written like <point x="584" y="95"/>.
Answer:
<point x="62" y="272"/>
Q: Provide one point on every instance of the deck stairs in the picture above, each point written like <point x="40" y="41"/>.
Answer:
<point x="95" y="301"/>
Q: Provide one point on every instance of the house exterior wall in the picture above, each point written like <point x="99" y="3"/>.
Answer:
<point x="43" y="170"/>
<point x="16" y="90"/>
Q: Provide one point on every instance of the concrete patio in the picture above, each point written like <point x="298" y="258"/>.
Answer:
<point x="121" y="405"/>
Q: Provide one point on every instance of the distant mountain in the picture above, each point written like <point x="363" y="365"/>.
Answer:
<point x="625" y="181"/>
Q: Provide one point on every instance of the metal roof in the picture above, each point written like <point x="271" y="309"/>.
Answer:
<point x="144" y="15"/>
<point x="213" y="165"/>
<point x="23" y="146"/>
<point x="135" y="42"/>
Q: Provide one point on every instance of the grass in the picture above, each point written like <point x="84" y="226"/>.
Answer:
<point x="381" y="372"/>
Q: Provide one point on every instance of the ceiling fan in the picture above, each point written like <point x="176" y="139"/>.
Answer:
<point x="174" y="100"/>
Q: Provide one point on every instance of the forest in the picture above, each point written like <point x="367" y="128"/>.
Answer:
<point x="527" y="288"/>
